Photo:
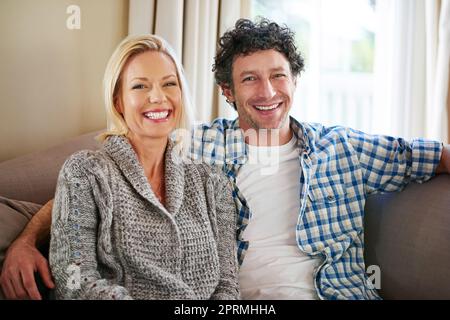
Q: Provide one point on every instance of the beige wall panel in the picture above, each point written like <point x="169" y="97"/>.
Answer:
<point x="50" y="76"/>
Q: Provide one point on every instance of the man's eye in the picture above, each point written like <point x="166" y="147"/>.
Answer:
<point x="249" y="78"/>
<point x="280" y="75"/>
<point x="138" y="86"/>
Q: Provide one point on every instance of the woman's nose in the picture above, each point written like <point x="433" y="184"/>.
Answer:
<point x="156" y="95"/>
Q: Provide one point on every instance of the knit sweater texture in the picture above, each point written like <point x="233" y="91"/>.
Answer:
<point x="111" y="238"/>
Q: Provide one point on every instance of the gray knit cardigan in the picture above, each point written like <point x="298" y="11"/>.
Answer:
<point x="112" y="239"/>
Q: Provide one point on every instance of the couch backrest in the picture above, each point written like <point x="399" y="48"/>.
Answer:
<point x="33" y="177"/>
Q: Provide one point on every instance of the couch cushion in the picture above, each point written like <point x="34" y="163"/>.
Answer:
<point x="407" y="234"/>
<point x="14" y="215"/>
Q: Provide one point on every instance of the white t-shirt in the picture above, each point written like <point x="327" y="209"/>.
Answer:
<point x="274" y="267"/>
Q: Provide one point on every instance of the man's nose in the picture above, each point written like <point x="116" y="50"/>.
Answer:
<point x="266" y="89"/>
<point x="156" y="95"/>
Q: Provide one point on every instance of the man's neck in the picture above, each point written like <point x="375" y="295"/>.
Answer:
<point x="268" y="137"/>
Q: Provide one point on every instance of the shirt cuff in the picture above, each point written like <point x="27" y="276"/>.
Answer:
<point x="426" y="155"/>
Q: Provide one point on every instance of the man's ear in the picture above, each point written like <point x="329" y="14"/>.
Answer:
<point x="227" y="92"/>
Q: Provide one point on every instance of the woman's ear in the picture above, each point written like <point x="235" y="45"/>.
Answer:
<point x="118" y="104"/>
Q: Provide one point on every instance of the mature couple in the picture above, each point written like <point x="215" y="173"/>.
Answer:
<point x="134" y="220"/>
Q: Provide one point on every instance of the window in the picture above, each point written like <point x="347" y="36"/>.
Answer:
<point x="337" y="40"/>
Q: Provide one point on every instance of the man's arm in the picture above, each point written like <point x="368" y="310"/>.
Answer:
<point x="23" y="259"/>
<point x="388" y="163"/>
<point x="444" y="164"/>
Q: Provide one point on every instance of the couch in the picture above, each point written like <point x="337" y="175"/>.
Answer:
<point x="407" y="234"/>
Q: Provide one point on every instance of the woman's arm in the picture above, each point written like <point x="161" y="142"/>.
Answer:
<point x="74" y="236"/>
<point x="226" y="216"/>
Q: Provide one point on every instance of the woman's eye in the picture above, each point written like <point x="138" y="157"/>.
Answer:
<point x="138" y="86"/>
<point x="170" y="84"/>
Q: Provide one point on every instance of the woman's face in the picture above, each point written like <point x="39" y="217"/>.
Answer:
<point x="150" y="96"/>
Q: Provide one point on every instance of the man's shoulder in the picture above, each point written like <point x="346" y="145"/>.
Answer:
<point x="219" y="124"/>
<point x="317" y="131"/>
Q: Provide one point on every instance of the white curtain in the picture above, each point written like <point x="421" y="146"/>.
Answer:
<point x="412" y="68"/>
<point x="200" y="30"/>
<point x="438" y="68"/>
<point x="230" y="11"/>
<point x="192" y="27"/>
<point x="164" y="18"/>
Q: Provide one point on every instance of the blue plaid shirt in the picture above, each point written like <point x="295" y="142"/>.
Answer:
<point x="340" y="168"/>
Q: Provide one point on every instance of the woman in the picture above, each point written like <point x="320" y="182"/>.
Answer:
<point x="133" y="220"/>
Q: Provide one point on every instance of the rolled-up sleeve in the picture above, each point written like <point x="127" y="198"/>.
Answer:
<point x="425" y="155"/>
<point x="389" y="163"/>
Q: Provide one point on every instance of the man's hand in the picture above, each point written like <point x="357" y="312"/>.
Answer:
<point x="21" y="262"/>
<point x="444" y="164"/>
<point x="23" y="259"/>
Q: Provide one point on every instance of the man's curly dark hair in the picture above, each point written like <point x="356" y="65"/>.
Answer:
<point x="248" y="37"/>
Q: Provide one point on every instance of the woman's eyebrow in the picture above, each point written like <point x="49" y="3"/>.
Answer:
<point x="146" y="79"/>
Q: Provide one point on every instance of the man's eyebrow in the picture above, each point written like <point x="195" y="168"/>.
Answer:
<point x="256" y="71"/>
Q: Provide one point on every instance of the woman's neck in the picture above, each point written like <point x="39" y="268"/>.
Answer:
<point x="150" y="152"/>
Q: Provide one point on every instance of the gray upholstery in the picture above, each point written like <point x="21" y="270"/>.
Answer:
<point x="33" y="177"/>
<point x="407" y="234"/>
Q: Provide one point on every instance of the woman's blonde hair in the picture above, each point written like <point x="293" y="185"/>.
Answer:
<point x="129" y="47"/>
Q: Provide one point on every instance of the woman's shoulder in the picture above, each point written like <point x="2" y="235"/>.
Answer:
<point x="83" y="161"/>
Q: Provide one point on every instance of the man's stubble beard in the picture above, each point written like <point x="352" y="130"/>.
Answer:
<point x="254" y="125"/>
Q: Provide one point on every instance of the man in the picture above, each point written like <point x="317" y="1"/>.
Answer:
<point x="300" y="188"/>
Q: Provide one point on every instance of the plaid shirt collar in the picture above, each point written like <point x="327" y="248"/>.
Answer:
<point x="235" y="148"/>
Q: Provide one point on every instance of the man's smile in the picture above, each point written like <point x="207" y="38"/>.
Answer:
<point x="267" y="107"/>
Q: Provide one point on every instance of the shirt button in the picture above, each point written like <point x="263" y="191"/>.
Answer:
<point x="330" y="197"/>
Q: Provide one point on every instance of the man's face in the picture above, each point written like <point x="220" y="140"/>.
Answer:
<point x="263" y="88"/>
